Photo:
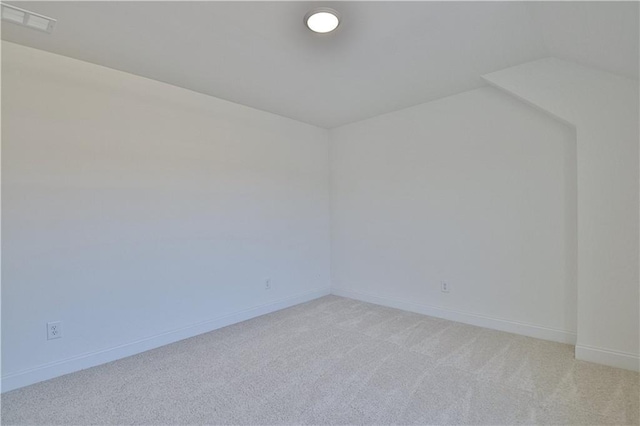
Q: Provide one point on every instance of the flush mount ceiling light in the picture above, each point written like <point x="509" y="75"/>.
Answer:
<point x="26" y="18"/>
<point x="322" y="20"/>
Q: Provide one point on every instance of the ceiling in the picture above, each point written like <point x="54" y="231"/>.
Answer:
<point x="384" y="56"/>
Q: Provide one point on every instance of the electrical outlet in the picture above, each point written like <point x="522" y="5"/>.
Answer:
<point x="444" y="286"/>
<point x="54" y="330"/>
<point x="267" y="284"/>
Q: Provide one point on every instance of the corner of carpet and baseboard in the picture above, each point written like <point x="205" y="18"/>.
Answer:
<point x="611" y="358"/>
<point x="500" y="324"/>
<point x="62" y="367"/>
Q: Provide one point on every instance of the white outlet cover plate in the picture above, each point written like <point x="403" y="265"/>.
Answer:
<point x="54" y="330"/>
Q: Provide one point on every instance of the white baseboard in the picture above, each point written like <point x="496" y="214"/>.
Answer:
<point x="509" y="326"/>
<point x="608" y="357"/>
<point x="81" y="362"/>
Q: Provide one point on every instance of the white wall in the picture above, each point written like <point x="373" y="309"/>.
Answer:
<point x="132" y="208"/>
<point x="600" y="34"/>
<point x="604" y="109"/>
<point x="476" y="189"/>
<point x="140" y="213"/>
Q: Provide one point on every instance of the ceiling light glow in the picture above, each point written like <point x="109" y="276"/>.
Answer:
<point x="322" y="20"/>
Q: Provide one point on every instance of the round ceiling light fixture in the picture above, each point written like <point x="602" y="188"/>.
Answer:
<point x="322" y="20"/>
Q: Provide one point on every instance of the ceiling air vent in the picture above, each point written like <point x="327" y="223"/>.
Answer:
<point x="28" y="19"/>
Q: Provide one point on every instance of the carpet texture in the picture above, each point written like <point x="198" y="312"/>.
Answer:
<point x="338" y="361"/>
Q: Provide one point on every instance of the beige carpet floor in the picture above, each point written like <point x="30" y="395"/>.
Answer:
<point x="338" y="361"/>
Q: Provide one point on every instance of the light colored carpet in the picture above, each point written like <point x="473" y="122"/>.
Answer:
<point x="338" y="361"/>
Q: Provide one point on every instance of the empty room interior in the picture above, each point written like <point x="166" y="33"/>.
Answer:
<point x="329" y="213"/>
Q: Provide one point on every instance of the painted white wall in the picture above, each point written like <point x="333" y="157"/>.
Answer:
<point x="477" y="190"/>
<point x="604" y="109"/>
<point x="132" y="208"/>
<point x="604" y="35"/>
<point x="139" y="213"/>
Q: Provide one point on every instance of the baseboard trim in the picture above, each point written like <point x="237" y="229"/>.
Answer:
<point x="81" y="362"/>
<point x="500" y="324"/>
<point x="608" y="357"/>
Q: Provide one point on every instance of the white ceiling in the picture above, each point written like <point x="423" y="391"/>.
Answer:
<point x="384" y="56"/>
